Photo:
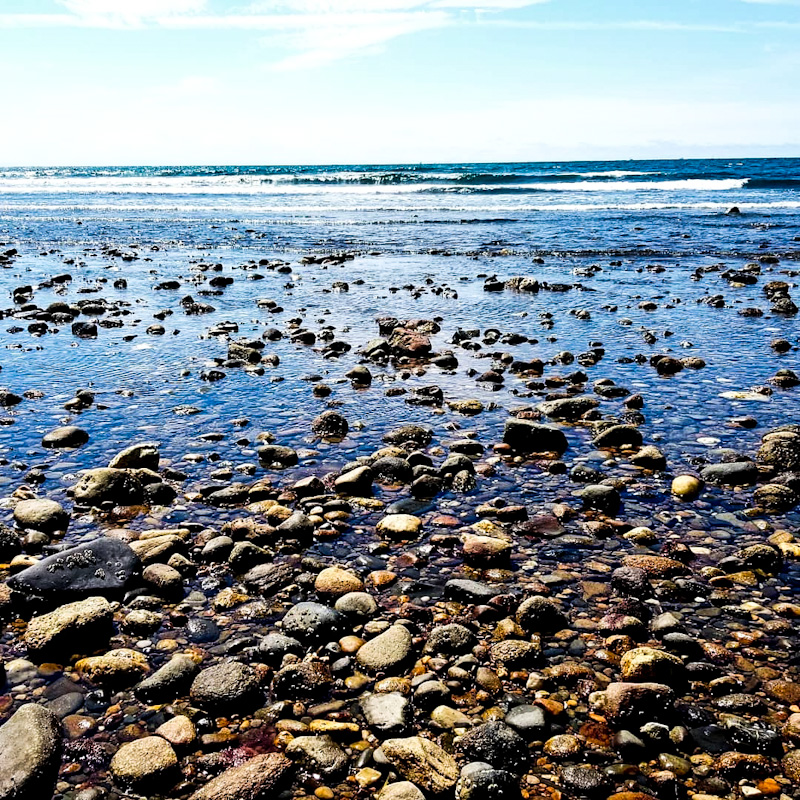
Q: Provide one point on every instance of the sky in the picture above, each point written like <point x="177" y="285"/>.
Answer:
<point x="94" y="82"/>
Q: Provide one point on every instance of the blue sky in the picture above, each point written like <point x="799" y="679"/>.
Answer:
<point x="382" y="81"/>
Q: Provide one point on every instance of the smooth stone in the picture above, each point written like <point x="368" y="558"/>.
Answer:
<point x="336" y="581"/>
<point x="423" y="762"/>
<point x="30" y="754"/>
<point x="41" y="514"/>
<point x="401" y="526"/>
<point x="318" y="754"/>
<point x="312" y="621"/>
<point x="147" y="763"/>
<point x="69" y="628"/>
<point x="259" y="778"/>
<point x="387" y="714"/>
<point x="68" y="436"/>
<point x="386" y="651"/>
<point x="226" y="688"/>
<point x="169" y="681"/>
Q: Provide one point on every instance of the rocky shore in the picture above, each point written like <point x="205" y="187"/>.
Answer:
<point x="426" y="558"/>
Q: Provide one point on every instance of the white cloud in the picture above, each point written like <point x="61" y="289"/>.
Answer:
<point x="132" y="9"/>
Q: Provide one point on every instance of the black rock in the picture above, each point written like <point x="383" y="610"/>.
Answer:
<point x="498" y="744"/>
<point x="104" y="566"/>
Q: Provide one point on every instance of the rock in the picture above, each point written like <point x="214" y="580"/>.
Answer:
<point x="69" y="628"/>
<point x="528" y="721"/>
<point x="584" y="781"/>
<point x="10" y="543"/>
<point x="687" y="487"/>
<point x="312" y="621"/>
<point x="356" y="604"/>
<point x="530" y="437"/>
<point x="409" y="343"/>
<point x="318" y="754"/>
<point x="41" y="515"/>
<point x="465" y="590"/>
<point x="400" y="526"/>
<point x="780" y="448"/>
<point x="497" y="744"/>
<point x="274" y="646"/>
<point x="104" y="566"/>
<point x="115" y="669"/>
<point x="646" y="664"/>
<point x="30" y="754"/>
<point x="568" y="408"/>
<point x="790" y="765"/>
<point x="178" y="731"/>
<point x="656" y="566"/>
<point x="626" y="704"/>
<point x="486" y="550"/>
<point x="481" y="781"/>
<point x="259" y="778"/>
<point x="514" y="653"/>
<point x="145" y="764"/>
<point x="226" y="688"/>
<point x="277" y="456"/>
<point x="387" y="714"/>
<point x="618" y="436"/>
<point x="106" y="485"/>
<point x="144" y="455"/>
<point x="402" y="790"/>
<point x="268" y="579"/>
<point x="303" y="681"/>
<point x="601" y="498"/>
<point x="335" y="581"/>
<point x="541" y="615"/>
<point x="775" y="498"/>
<point x="355" y="482"/>
<point x="330" y="425"/>
<point x="450" y="639"/>
<point x="467" y="407"/>
<point x="420" y="435"/>
<point x="169" y="681"/>
<point x="164" y="580"/>
<point x="422" y="762"/>
<point x="297" y="526"/>
<point x="69" y="436"/>
<point x="651" y="458"/>
<point x="736" y="473"/>
<point x="386" y="651"/>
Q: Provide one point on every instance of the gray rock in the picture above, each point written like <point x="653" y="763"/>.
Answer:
<point x="312" y="621"/>
<point x="387" y="651"/>
<point x="106" y="485"/>
<point x="481" y="781"/>
<point x="418" y="434"/>
<point x="618" y="436"/>
<point x="145" y="764"/>
<point x="402" y="790"/>
<point x="104" y="566"/>
<point x="387" y="714"/>
<point x="736" y="473"/>
<point x="355" y="482"/>
<point x="568" y="408"/>
<point x="226" y="688"/>
<point x="466" y="590"/>
<point x="68" y="436"/>
<point x="169" y="681"/>
<point x="541" y="615"/>
<point x="303" y="681"/>
<point x="274" y="646"/>
<point x="30" y="754"/>
<point x="527" y="720"/>
<point x="356" y="604"/>
<point x="41" y="514"/>
<point x="601" y="498"/>
<point x="450" y="639"/>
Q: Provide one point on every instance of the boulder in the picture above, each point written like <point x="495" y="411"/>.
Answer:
<point x="144" y="455"/>
<point x="108" y="485"/>
<point x="531" y="437"/>
<point x="30" y="754"/>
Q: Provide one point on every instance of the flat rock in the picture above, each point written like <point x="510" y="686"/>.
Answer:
<point x="259" y="778"/>
<point x="104" y="566"/>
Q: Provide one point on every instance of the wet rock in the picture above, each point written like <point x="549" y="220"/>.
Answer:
<point x="169" y="681"/>
<point x="273" y="455"/>
<point x="259" y="778"/>
<point x="115" y="669"/>
<point x="650" y="457"/>
<point x="30" y="753"/>
<point x="481" y="781"/>
<point x="469" y="591"/>
<point x="144" y="455"/>
<point x="387" y="714"/>
<point x="601" y="498"/>
<point x="400" y="526"/>
<point x="736" y="473"/>
<point x="318" y="754"/>
<point x="41" y="514"/>
<point x="530" y="437"/>
<point x="402" y="790"/>
<point x="687" y="487"/>
<point x="450" y="639"/>
<point x="486" y="550"/>
<point x="529" y="721"/>
<point x="781" y="448"/>
<point x="274" y="646"/>
<point x="387" y="651"/>
<point x="618" y="436"/>
<point x="540" y="615"/>
<point x="312" y="621"/>
<point x="107" y="485"/>
<point x="306" y="680"/>
<point x="104" y="566"/>
<point x="516" y="653"/>
<point x="355" y="482"/>
<point x="356" y="604"/>
<point x="420" y="435"/>
<point x="226" y="688"/>
<point x="66" y="437"/>
<point x="145" y="764"/>
<point x="497" y="744"/>
<point x="422" y="762"/>
<point x="569" y="409"/>
<point x="69" y="628"/>
<point x="335" y="582"/>
<point x="775" y="498"/>
<point x="647" y="664"/>
<point x="584" y="781"/>
<point x="330" y="425"/>
<point x="635" y="703"/>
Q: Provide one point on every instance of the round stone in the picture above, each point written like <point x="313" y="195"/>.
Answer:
<point x="687" y="487"/>
<point x="148" y="762"/>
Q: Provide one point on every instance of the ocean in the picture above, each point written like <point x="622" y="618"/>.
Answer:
<point x="660" y="207"/>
